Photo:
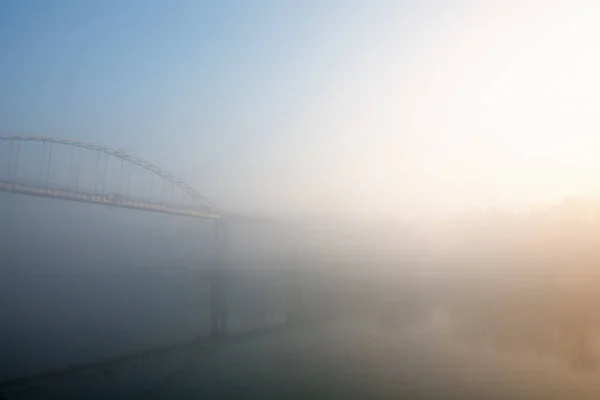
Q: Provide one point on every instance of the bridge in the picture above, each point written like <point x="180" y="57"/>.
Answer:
<point x="88" y="173"/>
<point x="74" y="171"/>
<point x="319" y="354"/>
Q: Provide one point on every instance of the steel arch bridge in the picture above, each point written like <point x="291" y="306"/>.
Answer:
<point x="88" y="173"/>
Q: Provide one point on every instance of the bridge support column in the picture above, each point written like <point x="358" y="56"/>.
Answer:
<point x="294" y="295"/>
<point x="220" y="282"/>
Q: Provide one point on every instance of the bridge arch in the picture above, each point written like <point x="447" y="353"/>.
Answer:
<point x="147" y="166"/>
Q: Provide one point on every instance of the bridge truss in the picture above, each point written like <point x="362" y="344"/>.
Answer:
<point x="88" y="173"/>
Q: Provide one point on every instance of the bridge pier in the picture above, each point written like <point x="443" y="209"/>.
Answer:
<point x="220" y="283"/>
<point x="294" y="293"/>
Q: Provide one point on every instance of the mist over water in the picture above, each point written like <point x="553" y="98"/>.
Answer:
<point x="410" y="191"/>
<point x="479" y="306"/>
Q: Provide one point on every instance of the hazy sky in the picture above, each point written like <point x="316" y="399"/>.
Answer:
<point x="366" y="108"/>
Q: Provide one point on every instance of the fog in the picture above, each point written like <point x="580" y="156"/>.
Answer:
<point x="409" y="200"/>
<point x="421" y="111"/>
<point x="491" y="303"/>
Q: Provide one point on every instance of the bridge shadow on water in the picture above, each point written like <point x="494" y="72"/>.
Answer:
<point x="346" y="357"/>
<point x="282" y="360"/>
<point x="325" y="358"/>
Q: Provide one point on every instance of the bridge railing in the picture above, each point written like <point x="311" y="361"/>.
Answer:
<point x="78" y="171"/>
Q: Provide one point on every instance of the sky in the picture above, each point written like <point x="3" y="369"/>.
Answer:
<point x="355" y="109"/>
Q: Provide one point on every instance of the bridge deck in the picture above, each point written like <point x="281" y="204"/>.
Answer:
<point x="103" y="199"/>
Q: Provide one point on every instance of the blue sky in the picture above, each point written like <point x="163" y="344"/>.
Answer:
<point x="204" y="89"/>
<point x="134" y="73"/>
<point x="353" y="107"/>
